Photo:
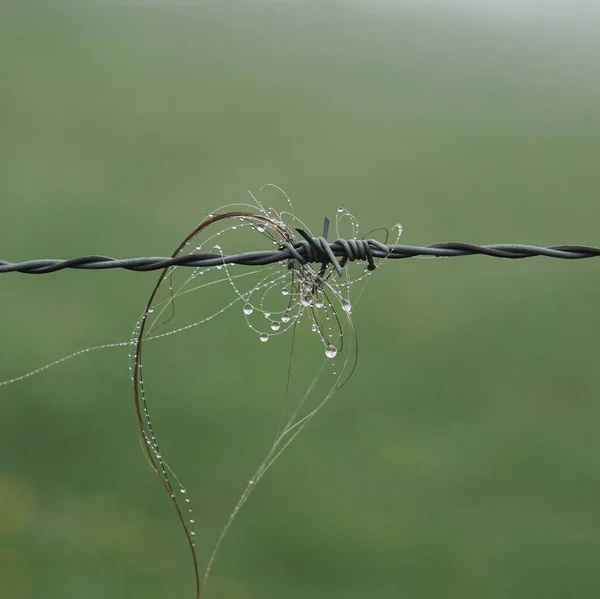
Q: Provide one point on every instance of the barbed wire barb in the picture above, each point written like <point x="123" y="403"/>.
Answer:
<point x="315" y="250"/>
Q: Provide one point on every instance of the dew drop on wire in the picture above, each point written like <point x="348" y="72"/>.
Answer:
<point x="331" y="351"/>
<point x="267" y="313"/>
<point x="285" y="317"/>
<point x="260" y="229"/>
<point x="306" y="300"/>
<point x="263" y="337"/>
<point x="347" y="306"/>
<point x="319" y="303"/>
<point x="248" y="309"/>
<point x="275" y="326"/>
<point x="285" y="291"/>
<point x="182" y="490"/>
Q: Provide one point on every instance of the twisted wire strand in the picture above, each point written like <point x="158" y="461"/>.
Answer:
<point x="315" y="250"/>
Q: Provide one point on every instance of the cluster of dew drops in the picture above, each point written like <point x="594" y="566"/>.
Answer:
<point x="306" y="301"/>
<point x="306" y="296"/>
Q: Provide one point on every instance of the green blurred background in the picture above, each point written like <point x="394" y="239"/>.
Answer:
<point x="462" y="459"/>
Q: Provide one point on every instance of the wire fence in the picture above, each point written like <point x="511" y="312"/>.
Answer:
<point x="308" y="250"/>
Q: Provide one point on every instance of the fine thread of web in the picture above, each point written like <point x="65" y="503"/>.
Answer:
<point x="129" y="343"/>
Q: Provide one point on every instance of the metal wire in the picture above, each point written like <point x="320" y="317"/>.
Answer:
<point x="308" y="250"/>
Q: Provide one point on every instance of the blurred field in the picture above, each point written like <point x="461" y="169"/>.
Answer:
<point x="462" y="458"/>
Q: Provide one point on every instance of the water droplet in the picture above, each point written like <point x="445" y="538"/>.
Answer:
<point x="150" y="310"/>
<point x="219" y="266"/>
<point x="306" y="300"/>
<point x="182" y="490"/>
<point x="248" y="309"/>
<point x="319" y="303"/>
<point x="340" y="210"/>
<point x="263" y="337"/>
<point x="285" y="317"/>
<point x="260" y="229"/>
<point x="193" y="533"/>
<point x="285" y="291"/>
<point x="331" y="351"/>
<point x="314" y="327"/>
<point x="192" y="521"/>
<point x="347" y="306"/>
<point x="251" y="482"/>
<point x="267" y="313"/>
<point x="275" y="326"/>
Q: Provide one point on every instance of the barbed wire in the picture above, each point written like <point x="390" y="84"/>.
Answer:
<point x="309" y="250"/>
